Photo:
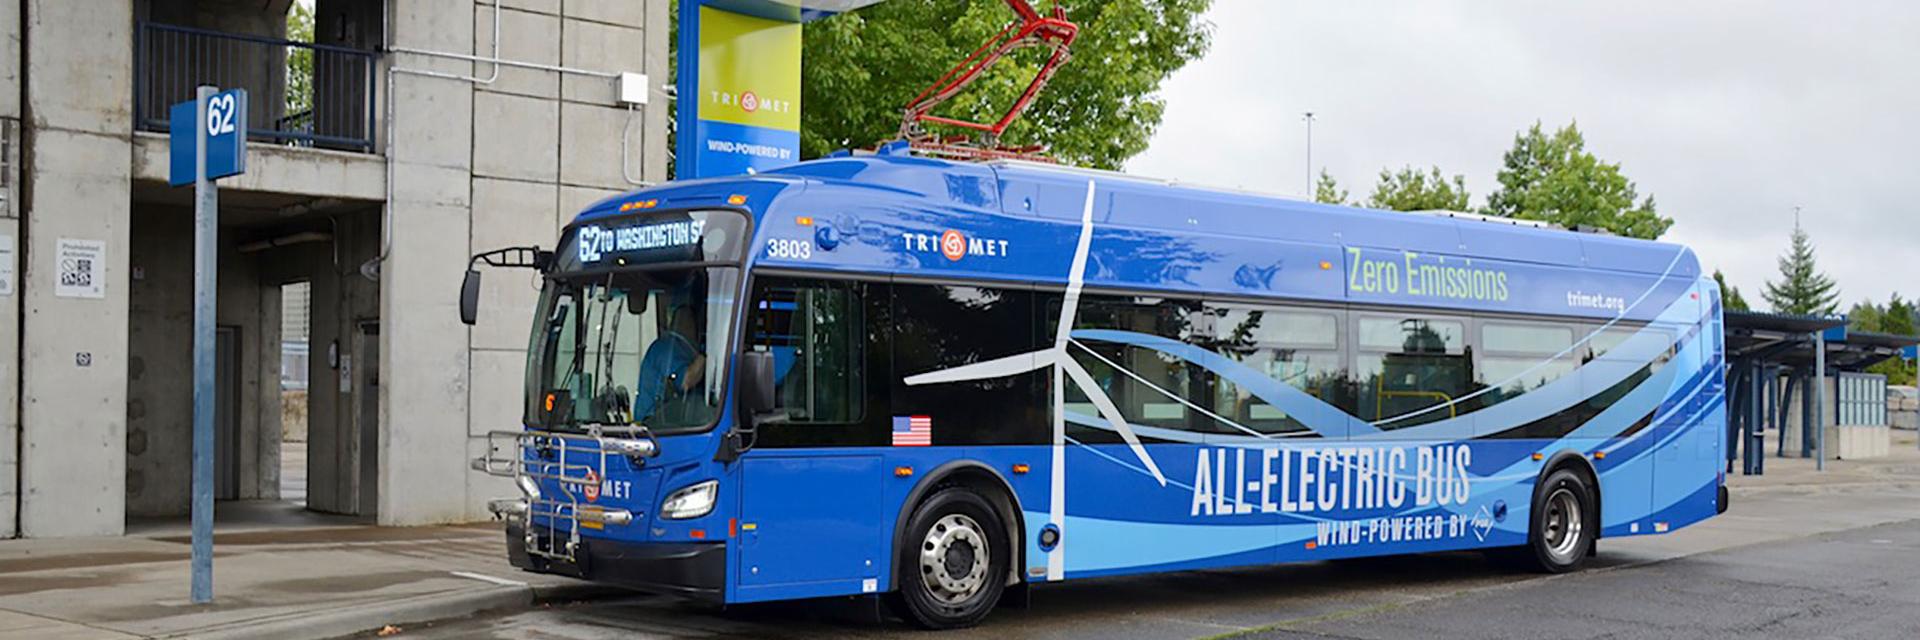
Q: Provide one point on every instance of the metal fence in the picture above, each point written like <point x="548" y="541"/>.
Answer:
<point x="1862" y="399"/>
<point x="331" y="106"/>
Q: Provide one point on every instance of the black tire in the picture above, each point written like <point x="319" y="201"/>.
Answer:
<point x="955" y="591"/>
<point x="1563" y="523"/>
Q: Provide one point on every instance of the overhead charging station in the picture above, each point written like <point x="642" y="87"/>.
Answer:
<point x="739" y="83"/>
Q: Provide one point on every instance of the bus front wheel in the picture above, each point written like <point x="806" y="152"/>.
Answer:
<point x="1564" y="522"/>
<point x="953" y="560"/>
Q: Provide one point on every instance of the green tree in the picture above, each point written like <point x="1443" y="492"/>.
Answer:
<point x="1896" y="317"/>
<point x="1865" y="316"/>
<point x="1897" y="370"/>
<point x="1802" y="289"/>
<point x="861" y="68"/>
<point x="299" y="95"/>
<point x="1327" y="190"/>
<point x="1554" y="178"/>
<point x="1410" y="190"/>
<point x="1899" y="317"/>
<point x="1730" y="297"/>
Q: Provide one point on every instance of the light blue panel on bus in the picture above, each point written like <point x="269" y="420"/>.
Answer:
<point x="1687" y="452"/>
<point x="810" y="524"/>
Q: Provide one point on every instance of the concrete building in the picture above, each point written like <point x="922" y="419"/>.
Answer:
<point x="407" y="150"/>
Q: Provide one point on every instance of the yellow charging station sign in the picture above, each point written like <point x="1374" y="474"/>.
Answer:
<point x="749" y="70"/>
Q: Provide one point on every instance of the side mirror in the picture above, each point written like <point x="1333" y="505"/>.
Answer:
<point x="470" y="297"/>
<point x="756" y="384"/>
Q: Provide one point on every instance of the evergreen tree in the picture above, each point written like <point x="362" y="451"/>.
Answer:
<point x="1899" y="317"/>
<point x="1802" y="289"/>
<point x="1865" y="316"/>
<point x="1328" y="191"/>
<point x="1730" y="298"/>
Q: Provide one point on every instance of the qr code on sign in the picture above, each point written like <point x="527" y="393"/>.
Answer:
<point x="76" y="272"/>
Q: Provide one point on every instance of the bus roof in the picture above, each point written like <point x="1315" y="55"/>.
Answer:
<point x="1022" y="219"/>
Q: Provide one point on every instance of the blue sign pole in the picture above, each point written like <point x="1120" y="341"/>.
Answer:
<point x="686" y="91"/>
<point x="208" y="141"/>
<point x="206" y="227"/>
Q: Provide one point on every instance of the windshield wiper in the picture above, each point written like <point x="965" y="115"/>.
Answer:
<point x="592" y="318"/>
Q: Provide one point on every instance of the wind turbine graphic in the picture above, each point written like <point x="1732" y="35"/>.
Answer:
<point x="1063" y="366"/>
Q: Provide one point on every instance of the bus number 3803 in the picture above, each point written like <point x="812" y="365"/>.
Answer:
<point x="794" y="249"/>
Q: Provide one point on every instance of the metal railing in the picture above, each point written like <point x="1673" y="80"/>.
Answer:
<point x="331" y="107"/>
<point x="572" y="466"/>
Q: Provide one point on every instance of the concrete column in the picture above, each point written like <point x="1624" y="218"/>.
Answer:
<point x="74" y="355"/>
<point x="479" y="165"/>
<point x="10" y="246"/>
<point x="422" y="473"/>
<point x="9" y="298"/>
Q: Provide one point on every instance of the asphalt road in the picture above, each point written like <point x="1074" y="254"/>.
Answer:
<point x="1863" y="583"/>
<point x="1790" y="564"/>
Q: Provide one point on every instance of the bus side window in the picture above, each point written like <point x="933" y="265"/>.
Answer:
<point x="1606" y="357"/>
<point x="1298" y="348"/>
<point x="1518" y="356"/>
<point x="1411" y="369"/>
<point x="939" y="326"/>
<point x="816" y="332"/>
<point x="1152" y="388"/>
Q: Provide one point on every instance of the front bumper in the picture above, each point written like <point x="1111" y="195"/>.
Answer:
<point x="695" y="570"/>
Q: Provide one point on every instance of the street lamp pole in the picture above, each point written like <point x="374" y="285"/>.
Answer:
<point x="1308" y="116"/>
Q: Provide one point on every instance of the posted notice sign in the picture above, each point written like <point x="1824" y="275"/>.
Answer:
<point x="80" y="268"/>
<point x="6" y="265"/>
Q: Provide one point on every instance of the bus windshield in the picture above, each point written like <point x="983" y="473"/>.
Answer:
<point x="633" y="322"/>
<point x="638" y="347"/>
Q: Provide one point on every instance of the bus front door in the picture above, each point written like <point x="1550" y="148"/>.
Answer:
<point x="810" y="525"/>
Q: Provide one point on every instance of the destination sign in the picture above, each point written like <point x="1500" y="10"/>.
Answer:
<point x="653" y="238"/>
<point x="595" y="243"/>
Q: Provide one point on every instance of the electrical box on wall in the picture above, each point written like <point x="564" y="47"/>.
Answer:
<point x="633" y="89"/>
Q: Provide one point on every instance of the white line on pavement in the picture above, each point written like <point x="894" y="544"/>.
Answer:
<point x="487" y="578"/>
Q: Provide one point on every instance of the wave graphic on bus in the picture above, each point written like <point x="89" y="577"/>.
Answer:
<point x="1628" y="366"/>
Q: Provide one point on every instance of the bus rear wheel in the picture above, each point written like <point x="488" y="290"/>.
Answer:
<point x="1564" y="523"/>
<point x="953" y="561"/>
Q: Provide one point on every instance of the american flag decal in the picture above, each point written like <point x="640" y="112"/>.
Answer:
<point x="912" y="431"/>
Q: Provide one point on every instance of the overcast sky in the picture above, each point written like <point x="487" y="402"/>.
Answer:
<point x="1729" y="113"/>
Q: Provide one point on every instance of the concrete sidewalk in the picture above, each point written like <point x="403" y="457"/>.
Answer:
<point x="1900" y="466"/>
<point x="280" y="583"/>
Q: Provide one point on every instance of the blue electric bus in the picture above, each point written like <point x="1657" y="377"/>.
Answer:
<point x="944" y="382"/>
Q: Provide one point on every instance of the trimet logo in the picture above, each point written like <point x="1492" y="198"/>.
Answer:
<point x="955" y="245"/>
<point x="749" y="102"/>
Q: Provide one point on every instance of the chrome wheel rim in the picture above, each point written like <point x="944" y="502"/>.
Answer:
<point x="1564" y="523"/>
<point x="953" y="559"/>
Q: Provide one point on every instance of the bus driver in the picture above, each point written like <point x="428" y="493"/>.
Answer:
<point x="673" y="363"/>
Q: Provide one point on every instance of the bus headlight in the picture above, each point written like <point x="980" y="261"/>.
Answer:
<point x="690" y="502"/>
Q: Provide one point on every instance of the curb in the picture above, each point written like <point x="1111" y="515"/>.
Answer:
<point x="348" y="621"/>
